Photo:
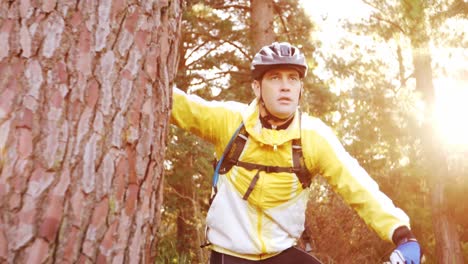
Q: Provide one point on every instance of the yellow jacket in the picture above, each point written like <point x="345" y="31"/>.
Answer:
<point x="272" y="219"/>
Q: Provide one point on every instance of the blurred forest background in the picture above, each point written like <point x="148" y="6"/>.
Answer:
<point x="378" y="86"/>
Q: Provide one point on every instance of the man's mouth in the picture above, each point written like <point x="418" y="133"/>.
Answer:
<point x="284" y="99"/>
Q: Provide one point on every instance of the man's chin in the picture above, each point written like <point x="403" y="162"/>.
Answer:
<point x="283" y="115"/>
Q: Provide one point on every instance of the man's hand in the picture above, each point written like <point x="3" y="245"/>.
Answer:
<point x="406" y="253"/>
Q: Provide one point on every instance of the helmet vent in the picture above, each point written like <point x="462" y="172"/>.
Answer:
<point x="278" y="55"/>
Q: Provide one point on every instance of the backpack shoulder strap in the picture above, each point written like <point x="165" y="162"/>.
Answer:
<point x="228" y="153"/>
<point x="298" y="159"/>
<point x="233" y="152"/>
<point x="299" y="164"/>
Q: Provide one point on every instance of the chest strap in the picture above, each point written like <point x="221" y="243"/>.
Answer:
<point x="234" y="150"/>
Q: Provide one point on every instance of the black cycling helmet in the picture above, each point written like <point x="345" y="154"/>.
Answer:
<point x="276" y="55"/>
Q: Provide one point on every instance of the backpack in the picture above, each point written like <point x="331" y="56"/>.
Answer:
<point x="233" y="151"/>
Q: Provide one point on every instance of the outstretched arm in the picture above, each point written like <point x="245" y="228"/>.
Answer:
<point x="351" y="181"/>
<point x="210" y="120"/>
<point x="360" y="191"/>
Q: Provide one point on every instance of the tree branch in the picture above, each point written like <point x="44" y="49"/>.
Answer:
<point x="223" y="7"/>
<point x="459" y="7"/>
<point x="283" y="23"/>
<point x="174" y="191"/>
<point x="204" y="80"/>
<point x="238" y="48"/>
<point x="220" y="75"/>
<point x="373" y="6"/>
<point x="222" y="41"/>
<point x="391" y="23"/>
<point x="234" y="45"/>
<point x="204" y="55"/>
<point x="195" y="49"/>
<point x="401" y="66"/>
<point x="230" y="72"/>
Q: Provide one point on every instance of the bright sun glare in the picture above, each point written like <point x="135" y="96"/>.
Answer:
<point x="451" y="109"/>
<point x="451" y="112"/>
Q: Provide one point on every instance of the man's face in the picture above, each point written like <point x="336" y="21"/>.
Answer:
<point x="280" y="89"/>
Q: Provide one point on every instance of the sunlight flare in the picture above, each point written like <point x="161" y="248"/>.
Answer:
<point x="451" y="110"/>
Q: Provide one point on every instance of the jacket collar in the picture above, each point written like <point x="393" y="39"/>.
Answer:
<point x="268" y="136"/>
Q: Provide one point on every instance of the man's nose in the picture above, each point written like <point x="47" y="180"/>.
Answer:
<point x="285" y="84"/>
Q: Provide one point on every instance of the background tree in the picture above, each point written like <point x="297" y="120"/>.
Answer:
<point x="85" y="100"/>
<point x="261" y="23"/>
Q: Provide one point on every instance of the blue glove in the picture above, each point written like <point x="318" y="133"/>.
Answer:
<point x="406" y="253"/>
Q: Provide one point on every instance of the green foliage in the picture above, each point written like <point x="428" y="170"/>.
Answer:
<point x="216" y="53"/>
<point x="168" y="253"/>
<point x="338" y="234"/>
<point x="187" y="189"/>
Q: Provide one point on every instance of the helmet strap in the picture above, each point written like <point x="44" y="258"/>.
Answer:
<point x="271" y="117"/>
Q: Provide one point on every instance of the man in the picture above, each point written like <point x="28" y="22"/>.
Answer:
<point x="258" y="210"/>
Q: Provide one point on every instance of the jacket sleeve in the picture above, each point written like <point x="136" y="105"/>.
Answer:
<point x="352" y="182"/>
<point x="211" y="120"/>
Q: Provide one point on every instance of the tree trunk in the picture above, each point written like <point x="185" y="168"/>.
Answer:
<point x="447" y="241"/>
<point x="448" y="248"/>
<point x="262" y="17"/>
<point x="85" y="100"/>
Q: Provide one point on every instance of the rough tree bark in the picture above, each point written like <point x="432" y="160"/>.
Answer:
<point x="85" y="100"/>
<point x="262" y="17"/>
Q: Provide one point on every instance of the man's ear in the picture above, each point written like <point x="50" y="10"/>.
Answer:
<point x="256" y="88"/>
<point x="301" y="92"/>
